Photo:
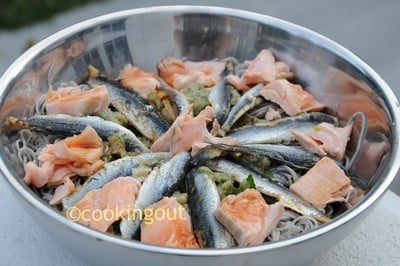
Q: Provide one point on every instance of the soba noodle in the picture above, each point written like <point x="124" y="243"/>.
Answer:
<point x="284" y="175"/>
<point x="292" y="224"/>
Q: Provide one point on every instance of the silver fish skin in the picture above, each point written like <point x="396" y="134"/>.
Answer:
<point x="121" y="167"/>
<point x="260" y="111"/>
<point x="178" y="98"/>
<point x="279" y="131"/>
<point x="289" y="200"/>
<point x="220" y="96"/>
<point x="66" y="125"/>
<point x="140" y="114"/>
<point x="161" y="182"/>
<point x="293" y="156"/>
<point x="245" y="103"/>
<point x="203" y="201"/>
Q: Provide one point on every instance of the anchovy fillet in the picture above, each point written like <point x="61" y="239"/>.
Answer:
<point x="66" y="125"/>
<point x="121" y="167"/>
<point x="203" y="201"/>
<point x="279" y="131"/>
<point x="178" y="98"/>
<point x="220" y="97"/>
<point x="290" y="201"/>
<point x="161" y="182"/>
<point x="135" y="108"/>
<point x="293" y="156"/>
<point x="245" y="103"/>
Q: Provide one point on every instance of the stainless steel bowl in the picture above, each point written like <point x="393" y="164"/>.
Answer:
<point x="334" y="75"/>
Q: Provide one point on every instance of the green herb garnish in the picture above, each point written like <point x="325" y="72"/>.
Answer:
<point x="245" y="184"/>
<point x="197" y="95"/>
<point x="235" y="96"/>
<point x="268" y="175"/>
<point x="115" y="117"/>
<point x="225" y="184"/>
<point x="250" y="182"/>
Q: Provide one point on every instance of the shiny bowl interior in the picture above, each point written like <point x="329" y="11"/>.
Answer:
<point x="142" y="37"/>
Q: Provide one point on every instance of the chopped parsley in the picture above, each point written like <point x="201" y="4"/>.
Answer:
<point x="268" y="175"/>
<point x="196" y="95"/>
<point x="226" y="185"/>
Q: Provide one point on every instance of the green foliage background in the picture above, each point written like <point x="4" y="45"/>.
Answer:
<point x="18" y="13"/>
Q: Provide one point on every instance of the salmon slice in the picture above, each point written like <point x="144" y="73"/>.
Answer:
<point x="139" y="80"/>
<point x="290" y="97"/>
<point x="325" y="139"/>
<point x="178" y="73"/>
<point x="167" y="223"/>
<point x="48" y="173"/>
<point x="248" y="217"/>
<point x="74" y="101"/>
<point x="76" y="155"/>
<point x="188" y="132"/>
<point x="263" y="69"/>
<point x="38" y="176"/>
<point x="322" y="184"/>
<point x="237" y="83"/>
<point x="63" y="191"/>
<point x="281" y="67"/>
<point x="86" y="147"/>
<point x="100" y="208"/>
<point x="59" y="174"/>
